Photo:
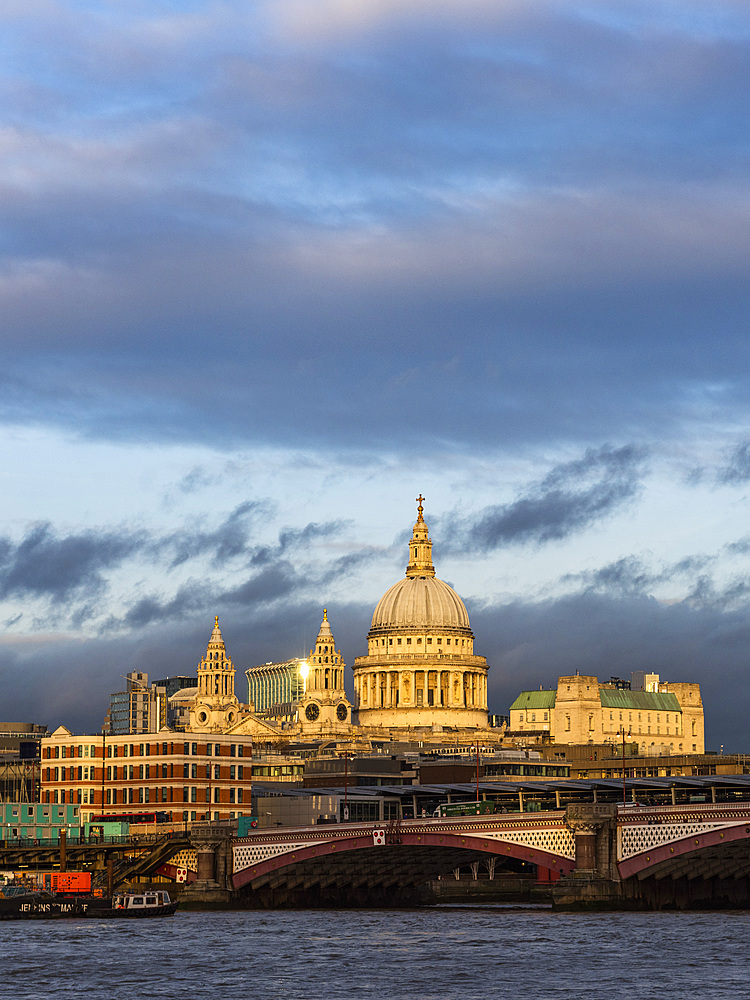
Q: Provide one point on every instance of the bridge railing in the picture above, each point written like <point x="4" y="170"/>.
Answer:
<point x="128" y="839"/>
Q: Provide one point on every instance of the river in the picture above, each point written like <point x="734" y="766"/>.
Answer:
<point x="438" y="953"/>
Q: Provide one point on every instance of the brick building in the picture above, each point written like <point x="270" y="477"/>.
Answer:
<point x="187" y="776"/>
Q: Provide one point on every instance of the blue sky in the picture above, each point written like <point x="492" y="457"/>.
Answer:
<point x="270" y="269"/>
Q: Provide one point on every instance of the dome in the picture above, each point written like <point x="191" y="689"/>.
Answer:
<point x="421" y="602"/>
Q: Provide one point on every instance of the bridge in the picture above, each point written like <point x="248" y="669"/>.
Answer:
<point x="600" y="855"/>
<point x="596" y="855"/>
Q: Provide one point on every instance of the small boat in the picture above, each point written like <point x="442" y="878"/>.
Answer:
<point x="136" y="904"/>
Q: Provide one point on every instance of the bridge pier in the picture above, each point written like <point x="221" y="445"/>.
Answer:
<point x="595" y="882"/>
<point x="213" y="847"/>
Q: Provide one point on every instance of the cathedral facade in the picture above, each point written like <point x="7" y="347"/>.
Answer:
<point x="420" y="672"/>
<point x="420" y="669"/>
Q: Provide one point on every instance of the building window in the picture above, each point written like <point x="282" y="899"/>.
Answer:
<point x="239" y="795"/>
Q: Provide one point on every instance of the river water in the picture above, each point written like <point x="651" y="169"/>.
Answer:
<point x="437" y="953"/>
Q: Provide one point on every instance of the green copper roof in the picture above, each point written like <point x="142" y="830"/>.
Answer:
<point x="641" y="701"/>
<point x="534" y="699"/>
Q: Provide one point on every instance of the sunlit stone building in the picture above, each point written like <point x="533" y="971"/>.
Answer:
<point x="420" y="669"/>
<point x="660" y="717"/>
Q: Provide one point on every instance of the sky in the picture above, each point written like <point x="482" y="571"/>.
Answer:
<point x="270" y="269"/>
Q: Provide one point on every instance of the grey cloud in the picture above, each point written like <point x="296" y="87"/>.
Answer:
<point x="528" y="644"/>
<point x="190" y="600"/>
<point x="295" y="539"/>
<point x="737" y="469"/>
<point x="632" y="575"/>
<point x="266" y="587"/>
<point x="571" y="497"/>
<point x="46" y="565"/>
<point x="345" y="565"/>
<point x="228" y="541"/>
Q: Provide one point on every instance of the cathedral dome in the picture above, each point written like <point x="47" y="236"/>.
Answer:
<point x="421" y="602"/>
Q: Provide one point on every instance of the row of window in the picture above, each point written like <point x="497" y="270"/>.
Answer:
<point x="428" y="641"/>
<point x="129" y="796"/>
<point x="128" y="772"/>
<point x="146" y="750"/>
<point x="83" y="750"/>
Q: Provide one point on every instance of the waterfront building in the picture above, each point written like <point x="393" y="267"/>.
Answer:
<point x="667" y="718"/>
<point x="420" y="670"/>
<point x="187" y="776"/>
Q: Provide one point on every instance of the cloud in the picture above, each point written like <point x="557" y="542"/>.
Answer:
<point x="532" y="643"/>
<point x="737" y="469"/>
<point x="230" y="540"/>
<point x="573" y="496"/>
<point x="43" y="564"/>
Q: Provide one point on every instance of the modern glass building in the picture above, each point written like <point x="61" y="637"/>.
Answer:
<point x="273" y="685"/>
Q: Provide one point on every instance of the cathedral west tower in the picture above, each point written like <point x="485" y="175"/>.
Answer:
<point x="420" y="669"/>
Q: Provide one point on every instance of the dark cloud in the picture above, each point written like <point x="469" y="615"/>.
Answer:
<point x="635" y="576"/>
<point x="531" y="644"/>
<point x="229" y="540"/>
<point x="519" y="225"/>
<point x="58" y="568"/>
<point x="573" y="496"/>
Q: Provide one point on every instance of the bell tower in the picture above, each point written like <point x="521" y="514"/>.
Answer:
<point x="325" y="707"/>
<point x="216" y="706"/>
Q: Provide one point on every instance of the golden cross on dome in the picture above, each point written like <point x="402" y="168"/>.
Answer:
<point x="325" y="614"/>
<point x="216" y="621"/>
<point x="420" y="508"/>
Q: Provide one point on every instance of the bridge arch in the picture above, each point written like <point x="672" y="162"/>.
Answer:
<point x="708" y="853"/>
<point x="411" y="853"/>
